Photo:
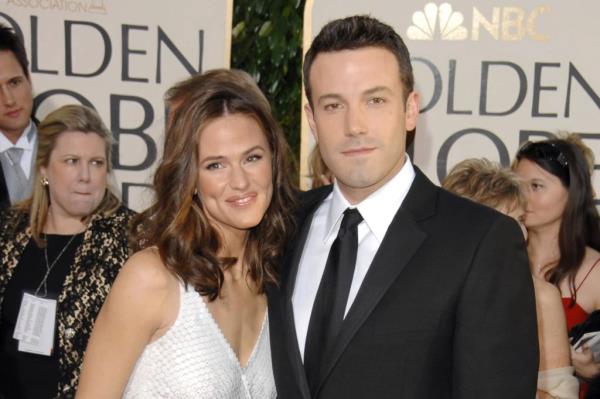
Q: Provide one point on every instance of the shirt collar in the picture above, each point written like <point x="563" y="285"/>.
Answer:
<point x="26" y="141"/>
<point x="378" y="209"/>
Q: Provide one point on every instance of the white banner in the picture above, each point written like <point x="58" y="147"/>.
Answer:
<point x="120" y="56"/>
<point x="491" y="74"/>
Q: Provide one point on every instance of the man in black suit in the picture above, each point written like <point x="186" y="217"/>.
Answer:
<point x="18" y="133"/>
<point x="418" y="295"/>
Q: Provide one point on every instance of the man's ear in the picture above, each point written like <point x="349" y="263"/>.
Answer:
<point x="311" y="121"/>
<point x="411" y="111"/>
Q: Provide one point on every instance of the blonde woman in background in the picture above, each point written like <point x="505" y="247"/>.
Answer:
<point x="64" y="246"/>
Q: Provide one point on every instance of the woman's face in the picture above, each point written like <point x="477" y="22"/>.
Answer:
<point x="235" y="182"/>
<point x="76" y="173"/>
<point x="546" y="196"/>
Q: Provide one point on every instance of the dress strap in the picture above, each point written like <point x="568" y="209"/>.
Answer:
<point x="588" y="273"/>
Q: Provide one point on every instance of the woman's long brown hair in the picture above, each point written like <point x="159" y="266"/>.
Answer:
<point x="176" y="223"/>
<point x="580" y="225"/>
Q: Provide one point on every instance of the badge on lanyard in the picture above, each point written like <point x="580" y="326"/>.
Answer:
<point x="35" y="324"/>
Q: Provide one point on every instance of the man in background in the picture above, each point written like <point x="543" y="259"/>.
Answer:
<point x="18" y="133"/>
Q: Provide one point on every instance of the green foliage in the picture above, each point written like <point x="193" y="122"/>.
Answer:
<point x="267" y="43"/>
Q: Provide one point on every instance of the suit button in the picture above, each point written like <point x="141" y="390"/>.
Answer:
<point x="69" y="333"/>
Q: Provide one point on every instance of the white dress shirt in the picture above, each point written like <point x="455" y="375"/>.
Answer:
<point x="377" y="210"/>
<point x="27" y="142"/>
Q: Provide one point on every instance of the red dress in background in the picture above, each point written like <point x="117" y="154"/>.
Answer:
<point x="576" y="315"/>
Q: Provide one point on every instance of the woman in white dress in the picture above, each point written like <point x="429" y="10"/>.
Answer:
<point x="186" y="317"/>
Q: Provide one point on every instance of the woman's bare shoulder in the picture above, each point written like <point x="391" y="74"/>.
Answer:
<point x="145" y="270"/>
<point x="546" y="293"/>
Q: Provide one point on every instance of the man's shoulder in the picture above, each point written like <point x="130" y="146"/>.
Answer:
<point x="308" y="201"/>
<point x="426" y="199"/>
<point x="471" y="218"/>
<point x="314" y="196"/>
<point x="451" y="202"/>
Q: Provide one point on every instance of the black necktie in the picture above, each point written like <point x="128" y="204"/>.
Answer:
<point x="330" y="303"/>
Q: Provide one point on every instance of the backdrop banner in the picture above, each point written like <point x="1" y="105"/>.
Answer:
<point x="491" y="75"/>
<point x="119" y="57"/>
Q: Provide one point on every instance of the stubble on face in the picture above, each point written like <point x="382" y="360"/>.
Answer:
<point x="359" y="117"/>
<point x="16" y="98"/>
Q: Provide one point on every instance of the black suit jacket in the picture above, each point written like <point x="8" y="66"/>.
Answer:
<point x="4" y="196"/>
<point x="446" y="310"/>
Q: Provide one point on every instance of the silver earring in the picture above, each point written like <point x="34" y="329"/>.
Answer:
<point x="45" y="182"/>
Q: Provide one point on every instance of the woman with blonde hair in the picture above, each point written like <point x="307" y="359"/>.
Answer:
<point x="187" y="316"/>
<point x="61" y="250"/>
<point x="492" y="185"/>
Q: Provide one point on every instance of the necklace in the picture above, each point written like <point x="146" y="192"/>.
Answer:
<point x="49" y="267"/>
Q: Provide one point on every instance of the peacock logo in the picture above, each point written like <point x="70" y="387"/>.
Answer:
<point x="426" y="23"/>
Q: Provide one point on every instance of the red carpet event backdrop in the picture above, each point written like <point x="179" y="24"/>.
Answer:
<point x="491" y="74"/>
<point x="119" y="57"/>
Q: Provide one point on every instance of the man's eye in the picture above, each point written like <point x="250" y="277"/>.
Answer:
<point x="377" y="100"/>
<point x="15" y="82"/>
<point x="332" y="106"/>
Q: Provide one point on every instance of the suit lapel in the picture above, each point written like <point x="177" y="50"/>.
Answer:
<point x="291" y="265"/>
<point x="402" y="240"/>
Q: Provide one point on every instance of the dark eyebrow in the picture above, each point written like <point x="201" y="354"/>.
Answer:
<point x="256" y="147"/>
<point x="213" y="158"/>
<point x="331" y="96"/>
<point x="368" y="92"/>
<point x="377" y="89"/>
<point x="220" y="157"/>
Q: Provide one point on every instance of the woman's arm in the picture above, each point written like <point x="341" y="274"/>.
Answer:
<point x="552" y="327"/>
<point x="141" y="306"/>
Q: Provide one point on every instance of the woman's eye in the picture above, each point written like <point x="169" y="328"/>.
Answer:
<point x="214" y="166"/>
<point x="254" y="158"/>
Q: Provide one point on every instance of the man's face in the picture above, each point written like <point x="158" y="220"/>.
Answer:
<point x="16" y="100"/>
<point x="359" y="117"/>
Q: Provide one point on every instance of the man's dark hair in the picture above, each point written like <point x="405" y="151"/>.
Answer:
<point x="9" y="41"/>
<point x="357" y="32"/>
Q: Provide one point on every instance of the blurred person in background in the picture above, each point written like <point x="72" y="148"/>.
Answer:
<point x="564" y="233"/>
<point x="489" y="184"/>
<point x="18" y="133"/>
<point x="60" y="252"/>
<point x="319" y="173"/>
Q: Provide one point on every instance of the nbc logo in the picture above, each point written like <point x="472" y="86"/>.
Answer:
<point x="450" y="23"/>
<point x="503" y="23"/>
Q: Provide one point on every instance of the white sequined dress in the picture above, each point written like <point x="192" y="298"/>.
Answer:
<point x="194" y="360"/>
